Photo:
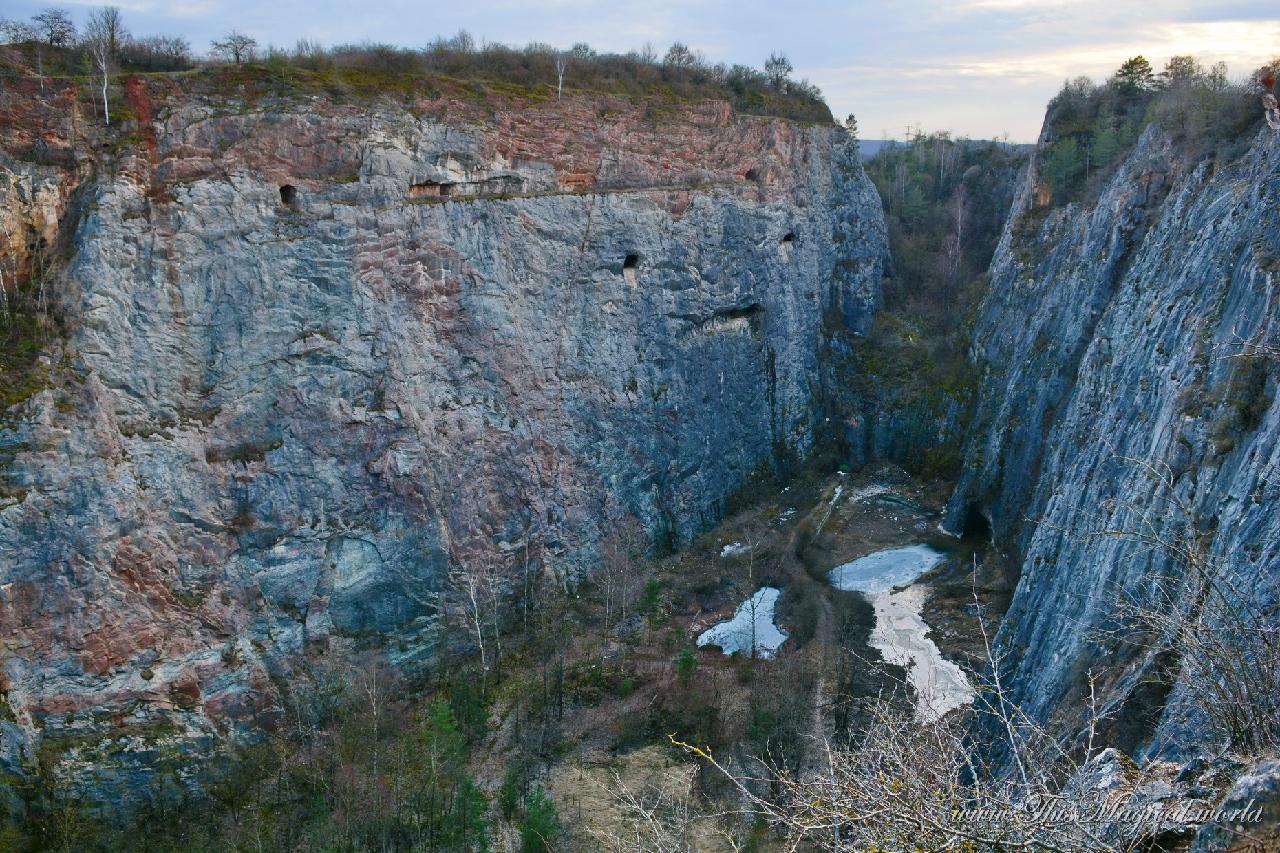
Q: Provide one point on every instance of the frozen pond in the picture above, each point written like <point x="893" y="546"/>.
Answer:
<point x="883" y="570"/>
<point x="736" y="634"/>
<point x="900" y="633"/>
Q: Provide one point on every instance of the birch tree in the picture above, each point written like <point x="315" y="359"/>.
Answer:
<point x="562" y="65"/>
<point x="103" y="36"/>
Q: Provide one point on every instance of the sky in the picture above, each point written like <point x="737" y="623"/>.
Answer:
<point x="977" y="68"/>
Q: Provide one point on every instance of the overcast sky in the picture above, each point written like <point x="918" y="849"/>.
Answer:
<point x="981" y="68"/>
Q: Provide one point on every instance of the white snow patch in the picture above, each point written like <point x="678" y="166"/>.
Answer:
<point x="735" y="635"/>
<point x="866" y="493"/>
<point x="733" y="549"/>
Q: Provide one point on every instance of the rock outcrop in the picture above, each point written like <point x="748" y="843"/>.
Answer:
<point x="1126" y="410"/>
<point x="318" y="356"/>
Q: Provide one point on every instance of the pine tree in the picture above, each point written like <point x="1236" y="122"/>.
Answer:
<point x="541" y="823"/>
<point x="1062" y="167"/>
<point x="686" y="664"/>
<point x="1107" y="144"/>
<point x="1135" y="75"/>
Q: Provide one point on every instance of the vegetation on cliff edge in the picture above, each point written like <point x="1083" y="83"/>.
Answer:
<point x="537" y="71"/>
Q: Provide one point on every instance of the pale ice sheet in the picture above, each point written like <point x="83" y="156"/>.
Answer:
<point x="901" y="636"/>
<point x="735" y="634"/>
<point x="883" y="570"/>
<point x="900" y="632"/>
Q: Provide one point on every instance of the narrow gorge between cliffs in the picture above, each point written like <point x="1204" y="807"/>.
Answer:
<point x="423" y="455"/>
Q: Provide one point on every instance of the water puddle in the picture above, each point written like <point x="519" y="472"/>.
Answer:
<point x="900" y="632"/>
<point x="752" y="624"/>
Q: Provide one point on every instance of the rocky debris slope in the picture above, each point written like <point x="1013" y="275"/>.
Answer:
<point x="1129" y="368"/>
<point x="319" y="356"/>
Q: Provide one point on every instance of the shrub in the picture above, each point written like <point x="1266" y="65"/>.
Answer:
<point x="531" y="71"/>
<point x="541" y="824"/>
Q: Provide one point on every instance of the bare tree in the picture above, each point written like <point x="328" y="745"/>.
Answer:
<point x="54" y="27"/>
<point x="680" y="56"/>
<point x="562" y="65"/>
<point x="16" y="32"/>
<point x="778" y="68"/>
<point x="106" y="23"/>
<point x="103" y="37"/>
<point x="4" y="294"/>
<point x="470" y="586"/>
<point x="236" y="47"/>
<point x="1218" y="614"/>
<point x="462" y="41"/>
<point x="655" y="819"/>
<point x="621" y="547"/>
<point x="478" y="577"/>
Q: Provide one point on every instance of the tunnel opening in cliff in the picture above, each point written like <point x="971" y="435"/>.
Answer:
<point x="630" y="264"/>
<point x="288" y="195"/>
<point x="784" y="245"/>
<point x="976" y="525"/>
<point x="431" y="189"/>
<point x="753" y="175"/>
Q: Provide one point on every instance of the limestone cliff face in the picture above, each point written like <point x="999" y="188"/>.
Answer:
<point x="318" y="356"/>
<point x="1122" y="344"/>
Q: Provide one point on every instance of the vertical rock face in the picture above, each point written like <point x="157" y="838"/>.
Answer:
<point x="319" y="356"/>
<point x="1123" y="345"/>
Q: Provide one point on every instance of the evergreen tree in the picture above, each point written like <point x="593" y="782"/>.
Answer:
<point x="1107" y="145"/>
<point x="464" y="825"/>
<point x="1135" y="75"/>
<point x="686" y="664"/>
<point x="1062" y="167"/>
<point x="851" y="125"/>
<point x="541" y="823"/>
<point x="651" y="601"/>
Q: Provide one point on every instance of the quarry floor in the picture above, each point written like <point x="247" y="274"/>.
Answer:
<point x="788" y="540"/>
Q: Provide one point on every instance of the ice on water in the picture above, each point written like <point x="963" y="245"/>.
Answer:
<point x="735" y="634"/>
<point x="883" y="570"/>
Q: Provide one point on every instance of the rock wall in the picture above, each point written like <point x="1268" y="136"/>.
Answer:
<point x="1126" y="343"/>
<point x="321" y="355"/>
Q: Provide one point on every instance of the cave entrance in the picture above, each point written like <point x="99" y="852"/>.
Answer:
<point x="976" y="524"/>
<point x="630" y="264"/>
<point x="753" y="175"/>
<point x="431" y="189"/>
<point x="289" y="195"/>
<point x="784" y="245"/>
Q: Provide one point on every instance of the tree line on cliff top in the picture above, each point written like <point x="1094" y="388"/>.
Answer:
<point x="50" y="44"/>
<point x="1090" y="127"/>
